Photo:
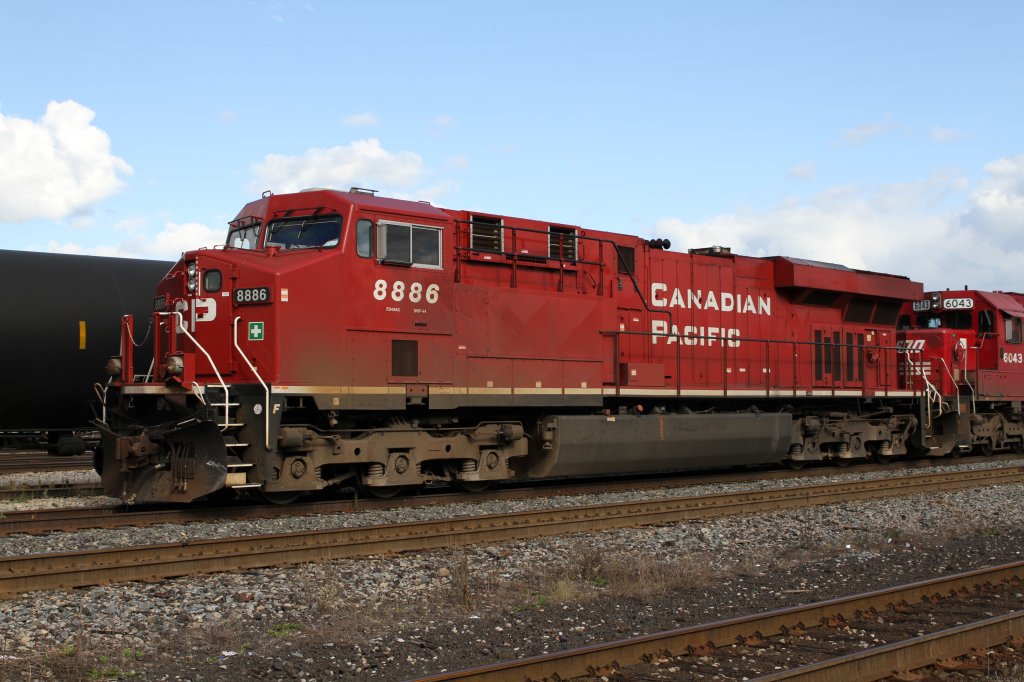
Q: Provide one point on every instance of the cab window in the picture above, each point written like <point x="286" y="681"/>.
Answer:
<point x="364" y="232"/>
<point x="304" y="233"/>
<point x="405" y="244"/>
<point x="1012" y="329"/>
<point x="986" y="323"/>
<point x="244" y="237"/>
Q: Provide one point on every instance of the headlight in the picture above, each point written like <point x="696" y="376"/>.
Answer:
<point x="192" y="269"/>
<point x="191" y="284"/>
<point x="175" y="366"/>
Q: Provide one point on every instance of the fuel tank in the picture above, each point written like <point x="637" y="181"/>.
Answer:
<point x="629" y="444"/>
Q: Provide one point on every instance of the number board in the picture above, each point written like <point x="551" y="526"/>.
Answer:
<point x="252" y="295"/>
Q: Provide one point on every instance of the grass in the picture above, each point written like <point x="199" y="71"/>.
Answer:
<point x="284" y="629"/>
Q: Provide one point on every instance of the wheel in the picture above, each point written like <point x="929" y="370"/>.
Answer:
<point x="842" y="461"/>
<point x="384" y="492"/>
<point x="983" y="448"/>
<point x="796" y="464"/>
<point x="280" y="498"/>
<point x="472" y="486"/>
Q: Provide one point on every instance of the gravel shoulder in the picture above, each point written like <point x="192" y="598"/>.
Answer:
<point x="400" y="617"/>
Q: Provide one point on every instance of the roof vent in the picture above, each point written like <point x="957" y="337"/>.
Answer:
<point x="362" y="190"/>
<point x="712" y="251"/>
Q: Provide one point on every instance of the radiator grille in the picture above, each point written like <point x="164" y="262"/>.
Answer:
<point x="404" y="358"/>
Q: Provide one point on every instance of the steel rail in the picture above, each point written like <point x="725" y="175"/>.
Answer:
<point x="604" y="657"/>
<point x="153" y="562"/>
<point x="47" y="491"/>
<point x="28" y="463"/>
<point x="40" y="521"/>
<point x="911" y="654"/>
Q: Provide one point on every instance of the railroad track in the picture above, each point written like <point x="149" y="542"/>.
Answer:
<point x="154" y="562"/>
<point x="40" y="521"/>
<point x="32" y="492"/>
<point x="811" y="630"/>
<point x="18" y="462"/>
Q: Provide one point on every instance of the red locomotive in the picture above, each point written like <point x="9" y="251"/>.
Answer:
<point x="965" y="352"/>
<point x="341" y="338"/>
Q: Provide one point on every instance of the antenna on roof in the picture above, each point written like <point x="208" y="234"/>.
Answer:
<point x="362" y="190"/>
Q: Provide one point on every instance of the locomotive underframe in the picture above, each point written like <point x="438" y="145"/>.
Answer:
<point x="997" y="427"/>
<point x="170" y="444"/>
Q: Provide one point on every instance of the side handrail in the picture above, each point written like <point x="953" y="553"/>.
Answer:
<point x="184" y="329"/>
<point x="949" y="373"/>
<point x="266" y="389"/>
<point x="101" y="393"/>
<point x="932" y="394"/>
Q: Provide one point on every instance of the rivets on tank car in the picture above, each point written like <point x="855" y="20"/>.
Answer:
<point x="298" y="468"/>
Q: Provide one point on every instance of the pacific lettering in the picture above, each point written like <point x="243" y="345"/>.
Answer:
<point x="695" y="336"/>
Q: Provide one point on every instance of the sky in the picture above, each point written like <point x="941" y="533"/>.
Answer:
<point x="884" y="136"/>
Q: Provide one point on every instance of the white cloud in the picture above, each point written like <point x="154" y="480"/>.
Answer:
<point x="997" y="204"/>
<point x="167" y="244"/>
<point x="363" y="120"/>
<point x="939" y="134"/>
<point x="458" y="162"/>
<point x="863" y="133"/>
<point x="803" y="171"/>
<point x="442" y="121"/>
<point x="58" y="166"/>
<point x="364" y="163"/>
<point x="904" y="229"/>
<point x="176" y="238"/>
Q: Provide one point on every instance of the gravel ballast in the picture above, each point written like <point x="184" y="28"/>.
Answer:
<point x="399" y="617"/>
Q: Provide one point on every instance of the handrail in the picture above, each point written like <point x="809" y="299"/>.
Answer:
<point x="466" y="226"/>
<point x="184" y="329"/>
<point x="949" y="373"/>
<point x="101" y="392"/>
<point x="931" y="393"/>
<point x="266" y="390"/>
<point x="769" y="344"/>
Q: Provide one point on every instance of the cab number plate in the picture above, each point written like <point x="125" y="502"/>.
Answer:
<point x="252" y="295"/>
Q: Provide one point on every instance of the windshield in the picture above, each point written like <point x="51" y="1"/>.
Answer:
<point x="305" y="233"/>
<point x="244" y="237"/>
<point x="955" y="319"/>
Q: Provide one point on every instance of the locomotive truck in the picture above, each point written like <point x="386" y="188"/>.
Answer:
<point x="348" y="339"/>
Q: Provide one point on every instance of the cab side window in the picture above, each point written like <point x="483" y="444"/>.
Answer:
<point x="407" y="244"/>
<point x="364" y="238"/>
<point x="986" y="323"/>
<point x="1013" y="330"/>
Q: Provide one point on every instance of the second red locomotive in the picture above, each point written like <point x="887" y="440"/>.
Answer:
<point x="341" y="338"/>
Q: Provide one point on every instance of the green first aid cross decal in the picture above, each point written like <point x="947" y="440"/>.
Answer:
<point x="255" y="331"/>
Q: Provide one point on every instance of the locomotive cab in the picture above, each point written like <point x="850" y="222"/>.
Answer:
<point x="966" y="351"/>
<point x="247" y="332"/>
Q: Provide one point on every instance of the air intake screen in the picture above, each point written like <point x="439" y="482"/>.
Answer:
<point x="404" y="358"/>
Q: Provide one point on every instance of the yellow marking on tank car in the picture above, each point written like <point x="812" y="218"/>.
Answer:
<point x="81" y="335"/>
